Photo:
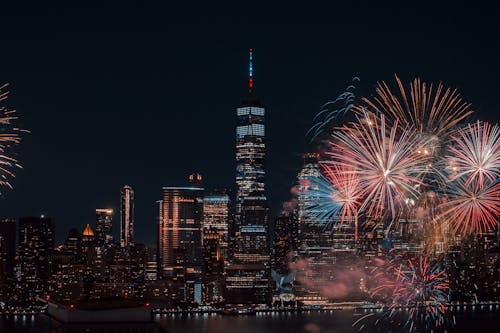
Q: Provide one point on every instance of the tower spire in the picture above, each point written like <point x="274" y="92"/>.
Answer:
<point x="250" y="71"/>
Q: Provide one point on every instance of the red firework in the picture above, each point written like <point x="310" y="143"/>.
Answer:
<point x="9" y="137"/>
<point x="347" y="191"/>
<point x="387" y="162"/>
<point x="475" y="153"/>
<point x="471" y="207"/>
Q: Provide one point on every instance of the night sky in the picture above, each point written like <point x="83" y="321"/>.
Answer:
<point x="144" y="94"/>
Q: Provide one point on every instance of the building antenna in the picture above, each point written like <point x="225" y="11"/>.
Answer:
<point x="250" y="72"/>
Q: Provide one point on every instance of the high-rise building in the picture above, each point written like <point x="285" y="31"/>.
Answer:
<point x="248" y="273"/>
<point x="213" y="268"/>
<point x="323" y="239"/>
<point x="180" y="252"/>
<point x="36" y="244"/>
<point x="127" y="217"/>
<point x="286" y="242"/>
<point x="150" y="264"/>
<point x="250" y="147"/>
<point x="7" y="257"/>
<point x="73" y="243"/>
<point x="89" y="256"/>
<point x="7" y="248"/>
<point x="68" y="268"/>
<point x="103" y="226"/>
<point x="216" y="214"/>
<point x="248" y="278"/>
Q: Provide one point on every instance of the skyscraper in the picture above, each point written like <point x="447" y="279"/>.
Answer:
<point x="73" y="243"/>
<point x="320" y="244"/>
<point x="7" y="256"/>
<point x="103" y="226"/>
<point x="180" y="253"/>
<point x="89" y="256"/>
<point x="286" y="241"/>
<point x="7" y="248"/>
<point x="216" y="219"/>
<point x="36" y="243"/>
<point x="248" y="273"/>
<point x="215" y="245"/>
<point x="250" y="147"/>
<point x="127" y="217"/>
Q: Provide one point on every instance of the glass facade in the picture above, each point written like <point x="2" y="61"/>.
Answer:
<point x="36" y="244"/>
<point x="250" y="152"/>
<point x="180" y="251"/>
<point x="103" y="226"/>
<point x="248" y="272"/>
<point x="127" y="217"/>
<point x="216" y="219"/>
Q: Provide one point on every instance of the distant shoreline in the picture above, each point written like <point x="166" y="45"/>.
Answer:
<point x="456" y="306"/>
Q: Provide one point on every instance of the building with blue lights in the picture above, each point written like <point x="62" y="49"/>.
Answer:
<point x="248" y="273"/>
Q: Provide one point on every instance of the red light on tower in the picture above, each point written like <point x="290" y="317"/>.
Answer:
<point x="47" y="298"/>
<point x="71" y="306"/>
<point x="250" y="71"/>
<point x="147" y="305"/>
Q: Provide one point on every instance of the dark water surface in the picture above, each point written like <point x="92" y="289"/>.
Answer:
<point x="336" y="321"/>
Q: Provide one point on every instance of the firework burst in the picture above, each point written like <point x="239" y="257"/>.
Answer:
<point x="320" y="202"/>
<point x="347" y="192"/>
<point x="424" y="289"/>
<point x="9" y="137"/>
<point x="471" y="207"/>
<point x="475" y="154"/>
<point x="389" y="165"/>
<point x="417" y="287"/>
<point x="331" y="111"/>
<point x="428" y="109"/>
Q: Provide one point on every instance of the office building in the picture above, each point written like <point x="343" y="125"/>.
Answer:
<point x="104" y="226"/>
<point x="36" y="244"/>
<point x="7" y="248"/>
<point x="127" y="217"/>
<point x="248" y="272"/>
<point x="180" y="251"/>
<point x="250" y="147"/>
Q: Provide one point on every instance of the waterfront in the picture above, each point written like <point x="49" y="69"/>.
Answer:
<point x="315" y="322"/>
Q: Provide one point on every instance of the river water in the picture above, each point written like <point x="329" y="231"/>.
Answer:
<point x="330" y="322"/>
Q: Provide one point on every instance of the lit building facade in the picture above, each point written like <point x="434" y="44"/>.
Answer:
<point x="36" y="244"/>
<point x="216" y="215"/>
<point x="286" y="241"/>
<point x="7" y="248"/>
<point x="213" y="268"/>
<point x="320" y="244"/>
<point x="250" y="152"/>
<point x="104" y="226"/>
<point x="68" y="268"/>
<point x="250" y="147"/>
<point x="248" y="273"/>
<point x="248" y="279"/>
<point x="127" y="217"/>
<point x="7" y="256"/>
<point x="180" y="250"/>
<point x="150" y="264"/>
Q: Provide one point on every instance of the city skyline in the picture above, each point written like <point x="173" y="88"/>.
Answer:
<point x="119" y="104"/>
<point x="249" y="167"/>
